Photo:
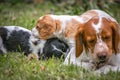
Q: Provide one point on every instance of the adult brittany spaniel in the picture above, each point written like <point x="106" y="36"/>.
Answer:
<point x="97" y="42"/>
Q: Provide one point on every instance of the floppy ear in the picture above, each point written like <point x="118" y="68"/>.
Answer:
<point x="79" y="41"/>
<point x="116" y="36"/>
<point x="46" y="25"/>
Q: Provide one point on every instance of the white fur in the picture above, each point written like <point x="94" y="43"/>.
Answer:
<point x="12" y="28"/>
<point x="97" y="27"/>
<point x="55" y="48"/>
<point x="35" y="37"/>
<point x="84" y="60"/>
<point x="2" y="46"/>
<point x="103" y="14"/>
<point x="35" y="32"/>
<point x="100" y="14"/>
<point x="39" y="46"/>
<point x="65" y="18"/>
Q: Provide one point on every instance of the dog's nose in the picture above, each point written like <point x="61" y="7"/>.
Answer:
<point x="102" y="56"/>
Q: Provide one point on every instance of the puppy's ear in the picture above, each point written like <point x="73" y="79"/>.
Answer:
<point x="46" y="25"/>
<point x="79" y="41"/>
<point x="116" y="36"/>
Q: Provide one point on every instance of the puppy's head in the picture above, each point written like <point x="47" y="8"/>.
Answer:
<point x="36" y="45"/>
<point x="55" y="47"/>
<point x="46" y="26"/>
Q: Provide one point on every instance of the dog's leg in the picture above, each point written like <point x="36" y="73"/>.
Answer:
<point x="107" y="68"/>
<point x="70" y="59"/>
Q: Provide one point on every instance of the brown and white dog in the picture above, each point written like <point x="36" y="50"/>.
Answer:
<point x="97" y="42"/>
<point x="63" y="27"/>
<point x="93" y="37"/>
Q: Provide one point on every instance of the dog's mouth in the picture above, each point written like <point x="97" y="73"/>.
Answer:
<point x="100" y="63"/>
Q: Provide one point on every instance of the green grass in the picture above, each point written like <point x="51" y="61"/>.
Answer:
<point x="16" y="66"/>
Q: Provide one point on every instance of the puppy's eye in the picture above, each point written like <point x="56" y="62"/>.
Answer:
<point x="37" y="27"/>
<point x="34" y="42"/>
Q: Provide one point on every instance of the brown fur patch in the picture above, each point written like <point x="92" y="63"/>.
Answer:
<point x="71" y="28"/>
<point x="79" y="41"/>
<point x="89" y="14"/>
<point x="116" y="36"/>
<point x="58" y="25"/>
<point x="46" y="26"/>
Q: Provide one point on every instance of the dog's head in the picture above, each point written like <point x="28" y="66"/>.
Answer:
<point x="99" y="37"/>
<point x="46" y="26"/>
<point x="55" y="47"/>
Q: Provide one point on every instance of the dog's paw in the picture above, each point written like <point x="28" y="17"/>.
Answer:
<point x="33" y="56"/>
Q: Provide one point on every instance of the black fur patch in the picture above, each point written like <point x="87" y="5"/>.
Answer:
<point x="3" y="33"/>
<point x="48" y="50"/>
<point x="18" y="41"/>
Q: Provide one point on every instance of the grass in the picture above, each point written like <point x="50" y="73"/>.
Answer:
<point x="16" y="66"/>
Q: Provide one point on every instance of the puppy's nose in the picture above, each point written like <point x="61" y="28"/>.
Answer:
<point x="102" y="56"/>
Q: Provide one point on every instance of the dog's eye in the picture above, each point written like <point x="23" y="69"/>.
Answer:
<point x="91" y="41"/>
<point x="37" y="27"/>
<point x="34" y="42"/>
<point x="107" y="38"/>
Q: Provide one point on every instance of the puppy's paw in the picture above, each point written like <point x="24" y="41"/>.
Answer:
<point x="33" y="56"/>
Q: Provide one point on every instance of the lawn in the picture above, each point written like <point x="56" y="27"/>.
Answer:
<point x="16" y="66"/>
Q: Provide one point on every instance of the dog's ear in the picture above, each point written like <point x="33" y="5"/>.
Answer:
<point x="116" y="36"/>
<point x="46" y="25"/>
<point x="79" y="41"/>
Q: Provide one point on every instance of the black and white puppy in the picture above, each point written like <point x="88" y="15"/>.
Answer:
<point x="19" y="39"/>
<point x="15" y="38"/>
<point x="55" y="47"/>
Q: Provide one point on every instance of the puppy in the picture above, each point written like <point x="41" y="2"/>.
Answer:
<point x="15" y="38"/>
<point x="55" y="47"/>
